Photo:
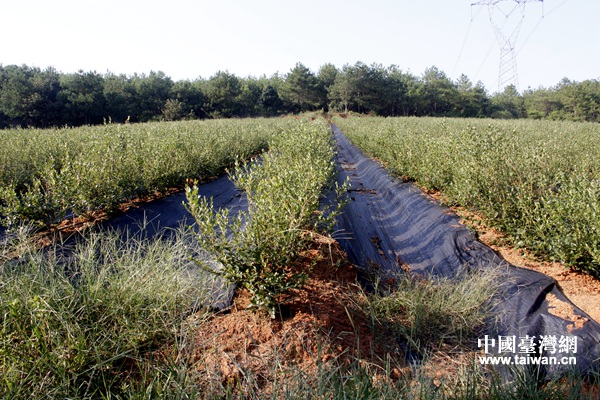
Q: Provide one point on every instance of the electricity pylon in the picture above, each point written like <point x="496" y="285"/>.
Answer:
<point x="506" y="36"/>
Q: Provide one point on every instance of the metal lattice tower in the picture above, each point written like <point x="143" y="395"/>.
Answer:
<point x="506" y="36"/>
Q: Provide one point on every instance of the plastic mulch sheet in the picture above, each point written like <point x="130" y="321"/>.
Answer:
<point x="158" y="216"/>
<point x="163" y="216"/>
<point x="390" y="227"/>
<point x="159" y="219"/>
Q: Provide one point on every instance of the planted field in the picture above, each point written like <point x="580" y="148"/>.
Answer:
<point x="47" y="173"/>
<point x="123" y="318"/>
<point x="538" y="181"/>
<point x="98" y="322"/>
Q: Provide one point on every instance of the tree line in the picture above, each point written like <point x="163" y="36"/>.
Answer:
<point x="34" y="97"/>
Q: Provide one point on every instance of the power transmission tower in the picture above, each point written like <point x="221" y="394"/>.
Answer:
<point x="500" y="17"/>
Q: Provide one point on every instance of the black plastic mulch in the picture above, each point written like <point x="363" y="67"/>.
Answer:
<point x="390" y="227"/>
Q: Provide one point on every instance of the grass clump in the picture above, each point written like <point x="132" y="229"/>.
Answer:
<point x="427" y="314"/>
<point x="82" y="324"/>
<point x="283" y="189"/>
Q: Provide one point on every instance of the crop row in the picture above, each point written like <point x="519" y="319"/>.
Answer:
<point x="283" y="188"/>
<point x="47" y="173"/>
<point x="538" y="181"/>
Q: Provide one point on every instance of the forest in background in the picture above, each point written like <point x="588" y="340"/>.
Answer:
<point x="35" y="97"/>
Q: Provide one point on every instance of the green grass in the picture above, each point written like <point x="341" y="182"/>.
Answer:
<point x="429" y="313"/>
<point x="86" y="326"/>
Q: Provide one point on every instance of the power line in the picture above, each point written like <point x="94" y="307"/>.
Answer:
<point x="464" y="42"/>
<point x="487" y="54"/>
<point x="544" y="15"/>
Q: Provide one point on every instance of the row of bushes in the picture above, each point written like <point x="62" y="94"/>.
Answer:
<point x="283" y="188"/>
<point x="48" y="173"/>
<point x="538" y="181"/>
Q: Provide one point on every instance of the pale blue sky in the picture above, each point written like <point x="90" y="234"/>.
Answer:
<point x="191" y="38"/>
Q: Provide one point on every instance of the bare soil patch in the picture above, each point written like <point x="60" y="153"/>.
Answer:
<point x="320" y="326"/>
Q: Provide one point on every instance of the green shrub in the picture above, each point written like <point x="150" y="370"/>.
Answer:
<point x="283" y="189"/>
